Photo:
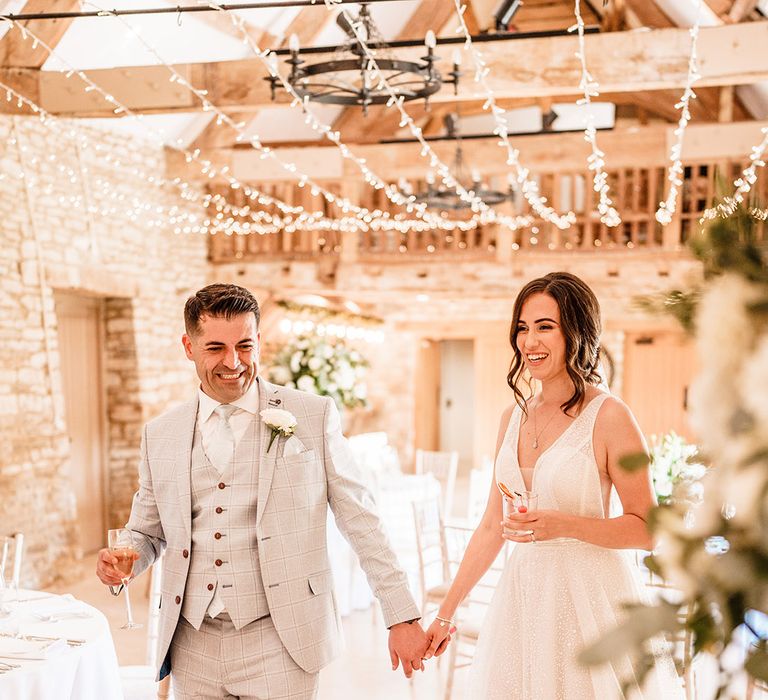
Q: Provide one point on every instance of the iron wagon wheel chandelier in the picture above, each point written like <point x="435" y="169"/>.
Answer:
<point x="349" y="78"/>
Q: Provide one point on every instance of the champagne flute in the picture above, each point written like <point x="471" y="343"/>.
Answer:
<point x="120" y="543"/>
<point x="4" y="580"/>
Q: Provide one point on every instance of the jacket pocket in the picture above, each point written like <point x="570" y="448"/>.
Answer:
<point x="300" y="458"/>
<point x="320" y="583"/>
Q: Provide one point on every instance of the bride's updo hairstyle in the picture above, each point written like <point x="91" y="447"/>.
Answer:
<point x="580" y="324"/>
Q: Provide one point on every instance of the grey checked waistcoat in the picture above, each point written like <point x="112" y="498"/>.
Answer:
<point x="224" y="550"/>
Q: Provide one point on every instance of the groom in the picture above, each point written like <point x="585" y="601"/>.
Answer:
<point x="247" y="603"/>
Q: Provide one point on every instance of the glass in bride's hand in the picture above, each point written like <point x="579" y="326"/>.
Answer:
<point x="121" y="546"/>
<point x="522" y="502"/>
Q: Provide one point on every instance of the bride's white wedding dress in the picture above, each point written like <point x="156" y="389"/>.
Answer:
<point x="556" y="596"/>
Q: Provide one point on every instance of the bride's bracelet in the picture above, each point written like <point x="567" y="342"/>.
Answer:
<point x="444" y="622"/>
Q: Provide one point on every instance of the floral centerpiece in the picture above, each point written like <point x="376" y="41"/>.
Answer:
<point x="716" y="553"/>
<point x="322" y="366"/>
<point x="674" y="472"/>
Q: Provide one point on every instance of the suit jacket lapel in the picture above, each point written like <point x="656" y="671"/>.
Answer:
<point x="186" y="432"/>
<point x="265" y="461"/>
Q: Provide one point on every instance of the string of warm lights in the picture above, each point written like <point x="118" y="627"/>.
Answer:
<point x="743" y="184"/>
<point x="528" y="186"/>
<point x="475" y="202"/>
<point x="137" y="209"/>
<point x="66" y="131"/>
<point x="727" y="207"/>
<point x="668" y="207"/>
<point x="184" y="222"/>
<point x="253" y="140"/>
<point x="231" y="226"/>
<point x="305" y="219"/>
<point x="269" y="59"/>
<point x="596" y="160"/>
<point x="393" y="193"/>
<point x="48" y="344"/>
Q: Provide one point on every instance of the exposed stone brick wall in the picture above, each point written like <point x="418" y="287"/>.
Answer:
<point x="76" y="236"/>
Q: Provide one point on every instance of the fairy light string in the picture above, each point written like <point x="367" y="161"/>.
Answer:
<point x="668" y="207"/>
<point x="528" y="186"/>
<point x="596" y="159"/>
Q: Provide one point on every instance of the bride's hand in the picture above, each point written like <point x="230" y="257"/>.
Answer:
<point x="438" y="637"/>
<point x="545" y="524"/>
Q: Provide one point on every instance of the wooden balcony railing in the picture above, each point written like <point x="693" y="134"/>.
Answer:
<point x="636" y="193"/>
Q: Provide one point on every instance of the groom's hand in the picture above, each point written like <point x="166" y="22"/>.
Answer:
<point x="407" y="644"/>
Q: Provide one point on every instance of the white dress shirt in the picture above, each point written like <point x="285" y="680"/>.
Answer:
<point x="248" y="407"/>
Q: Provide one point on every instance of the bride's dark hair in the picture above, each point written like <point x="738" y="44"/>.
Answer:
<point x="581" y="327"/>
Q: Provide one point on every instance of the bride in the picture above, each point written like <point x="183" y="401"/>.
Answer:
<point x="566" y="580"/>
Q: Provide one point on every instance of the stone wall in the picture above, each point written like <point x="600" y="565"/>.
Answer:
<point x="73" y="221"/>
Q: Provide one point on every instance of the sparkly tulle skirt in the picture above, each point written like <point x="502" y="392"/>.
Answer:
<point x="553" y="599"/>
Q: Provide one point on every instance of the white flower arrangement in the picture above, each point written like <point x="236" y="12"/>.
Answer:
<point x="674" y="473"/>
<point x="716" y="551"/>
<point x="322" y="366"/>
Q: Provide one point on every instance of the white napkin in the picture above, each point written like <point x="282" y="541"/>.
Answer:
<point x="57" y="608"/>
<point x="12" y="648"/>
<point x="292" y="446"/>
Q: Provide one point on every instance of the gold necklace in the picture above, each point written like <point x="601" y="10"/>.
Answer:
<point x="538" y="434"/>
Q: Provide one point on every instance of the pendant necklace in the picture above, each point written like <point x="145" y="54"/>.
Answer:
<point x="538" y="434"/>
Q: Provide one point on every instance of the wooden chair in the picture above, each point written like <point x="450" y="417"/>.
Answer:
<point x="477" y="499"/>
<point x="133" y="676"/>
<point x="470" y="616"/>
<point x="431" y="549"/>
<point x="443" y="466"/>
<point x="11" y="558"/>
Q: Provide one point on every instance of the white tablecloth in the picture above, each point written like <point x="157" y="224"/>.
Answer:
<point x="86" y="672"/>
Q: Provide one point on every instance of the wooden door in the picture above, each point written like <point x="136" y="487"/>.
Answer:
<point x="658" y="369"/>
<point x="427" y="395"/>
<point x="457" y="400"/>
<point x="79" y="335"/>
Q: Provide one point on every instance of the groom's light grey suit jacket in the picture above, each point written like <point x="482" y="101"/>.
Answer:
<point x="293" y="494"/>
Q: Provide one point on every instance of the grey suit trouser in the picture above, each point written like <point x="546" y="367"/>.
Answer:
<point x="219" y="661"/>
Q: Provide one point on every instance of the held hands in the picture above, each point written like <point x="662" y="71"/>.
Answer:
<point x="545" y="525"/>
<point x="439" y="637"/>
<point x="105" y="568"/>
<point x="407" y="645"/>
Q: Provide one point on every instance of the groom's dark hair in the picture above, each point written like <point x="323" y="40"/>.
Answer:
<point x="221" y="301"/>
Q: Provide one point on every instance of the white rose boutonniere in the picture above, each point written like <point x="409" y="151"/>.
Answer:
<point x="280" y="422"/>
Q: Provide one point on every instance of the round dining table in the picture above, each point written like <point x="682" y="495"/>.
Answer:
<point x="55" y="647"/>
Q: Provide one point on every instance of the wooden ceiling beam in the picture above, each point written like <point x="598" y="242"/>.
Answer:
<point x="17" y="52"/>
<point x="642" y="146"/>
<point x="307" y="25"/>
<point x="539" y="67"/>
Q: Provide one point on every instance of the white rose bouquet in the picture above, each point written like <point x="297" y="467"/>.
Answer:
<point x="322" y="366"/>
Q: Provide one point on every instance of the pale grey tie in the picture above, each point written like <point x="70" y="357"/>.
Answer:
<point x="221" y="448"/>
